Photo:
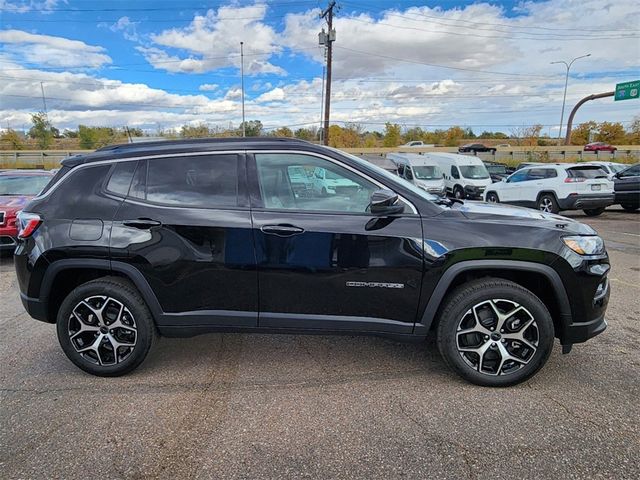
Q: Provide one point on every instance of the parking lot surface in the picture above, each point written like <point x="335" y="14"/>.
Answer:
<point x="281" y="406"/>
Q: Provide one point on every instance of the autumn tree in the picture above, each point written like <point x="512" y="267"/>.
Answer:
<point x="610" y="132"/>
<point x="282" y="132"/>
<point x="308" y="134"/>
<point x="96" y="137"/>
<point x="633" y="133"/>
<point x="453" y="136"/>
<point x="582" y="133"/>
<point x="252" y="128"/>
<point x="42" y="130"/>
<point x="392" y="136"/>
<point x="12" y="139"/>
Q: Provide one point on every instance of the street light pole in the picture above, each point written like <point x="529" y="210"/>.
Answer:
<point x="566" y="83"/>
<point x="242" y="84"/>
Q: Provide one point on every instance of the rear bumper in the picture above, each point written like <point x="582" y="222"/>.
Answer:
<point x="34" y="307"/>
<point x="581" y="201"/>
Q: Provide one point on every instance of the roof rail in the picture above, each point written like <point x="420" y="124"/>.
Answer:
<point x="195" y="141"/>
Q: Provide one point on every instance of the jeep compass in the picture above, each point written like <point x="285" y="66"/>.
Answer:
<point x="195" y="236"/>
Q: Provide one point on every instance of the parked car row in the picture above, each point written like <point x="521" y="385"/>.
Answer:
<point x="590" y="187"/>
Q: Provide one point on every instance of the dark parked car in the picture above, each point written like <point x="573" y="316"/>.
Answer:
<point x="17" y="187"/>
<point x="498" y="171"/>
<point x="599" y="147"/>
<point x="476" y="148"/>
<point x="196" y="236"/>
<point x="627" y="188"/>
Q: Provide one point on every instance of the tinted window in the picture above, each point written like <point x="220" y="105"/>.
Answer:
<point x="121" y="176"/>
<point x="520" y="176"/>
<point x="537" y="173"/>
<point x="586" y="172"/>
<point x="631" y="171"/>
<point x="331" y="187"/>
<point x="202" y="181"/>
<point x="454" y="172"/>
<point x="59" y="174"/>
<point x="550" y="173"/>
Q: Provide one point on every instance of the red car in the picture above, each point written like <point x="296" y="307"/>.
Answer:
<point x="17" y="187"/>
<point x="599" y="147"/>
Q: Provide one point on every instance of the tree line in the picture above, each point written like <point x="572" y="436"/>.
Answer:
<point x="43" y="135"/>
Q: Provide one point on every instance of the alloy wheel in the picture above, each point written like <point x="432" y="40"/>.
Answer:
<point x="497" y="337"/>
<point x="546" y="205"/>
<point x="102" y="330"/>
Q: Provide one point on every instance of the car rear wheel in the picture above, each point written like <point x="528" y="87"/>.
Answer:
<point x="630" y="208"/>
<point x="593" y="212"/>
<point x="492" y="197"/>
<point x="547" y="203"/>
<point x="494" y="332"/>
<point x="105" y="327"/>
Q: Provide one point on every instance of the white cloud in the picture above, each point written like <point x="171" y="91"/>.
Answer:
<point x="127" y="27"/>
<point x="212" y="41"/>
<point x="208" y="87"/>
<point x="47" y="50"/>
<point x="23" y="6"/>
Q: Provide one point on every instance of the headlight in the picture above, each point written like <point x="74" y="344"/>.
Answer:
<point x="591" y="245"/>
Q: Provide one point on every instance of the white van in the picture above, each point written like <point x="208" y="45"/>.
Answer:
<point x="464" y="176"/>
<point x="419" y="170"/>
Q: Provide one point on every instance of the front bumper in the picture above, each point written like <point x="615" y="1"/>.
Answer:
<point x="587" y="200"/>
<point x="473" y="193"/>
<point x="579" y="332"/>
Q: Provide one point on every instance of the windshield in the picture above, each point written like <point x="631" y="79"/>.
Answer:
<point x="474" y="171"/>
<point x="499" y="169"/>
<point x="615" y="168"/>
<point x="427" y="172"/>
<point x="22" y="184"/>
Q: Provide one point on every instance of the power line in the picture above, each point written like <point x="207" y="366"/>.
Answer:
<point x="154" y="9"/>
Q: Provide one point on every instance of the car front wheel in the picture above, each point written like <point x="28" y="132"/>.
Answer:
<point x="458" y="192"/>
<point x="105" y="327"/>
<point x="494" y="332"/>
<point x="492" y="197"/>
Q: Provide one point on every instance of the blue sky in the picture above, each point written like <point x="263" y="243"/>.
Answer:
<point x="161" y="64"/>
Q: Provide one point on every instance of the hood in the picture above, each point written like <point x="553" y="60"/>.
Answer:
<point x="437" y="182"/>
<point x="14" y="202"/>
<point x="507" y="214"/>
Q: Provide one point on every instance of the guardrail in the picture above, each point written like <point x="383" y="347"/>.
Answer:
<point x="51" y="159"/>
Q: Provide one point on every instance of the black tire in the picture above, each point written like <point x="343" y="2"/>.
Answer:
<point x="593" y="212"/>
<point x="456" y="308"/>
<point x="458" y="192"/>
<point x="547" y="203"/>
<point x="134" y="313"/>
<point x="492" y="197"/>
<point x="630" y="208"/>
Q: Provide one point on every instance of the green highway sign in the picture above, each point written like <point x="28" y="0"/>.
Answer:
<point x="627" y="90"/>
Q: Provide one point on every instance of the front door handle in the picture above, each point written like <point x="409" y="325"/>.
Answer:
<point x="281" y="230"/>
<point x="141" y="223"/>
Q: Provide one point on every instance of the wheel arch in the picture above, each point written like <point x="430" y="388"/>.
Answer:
<point x="68" y="274"/>
<point x="540" y="279"/>
<point x="550" y="192"/>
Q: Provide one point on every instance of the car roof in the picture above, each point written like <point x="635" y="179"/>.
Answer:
<point x="456" y="157"/>
<point x="27" y="172"/>
<point x="132" y="150"/>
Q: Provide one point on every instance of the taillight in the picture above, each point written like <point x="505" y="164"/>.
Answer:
<point x="575" y="179"/>
<point x="28" y="223"/>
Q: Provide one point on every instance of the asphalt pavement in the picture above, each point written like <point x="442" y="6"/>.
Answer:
<point x="283" y="406"/>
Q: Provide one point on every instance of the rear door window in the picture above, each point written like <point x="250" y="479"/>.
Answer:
<point x="206" y="181"/>
<point x="120" y="179"/>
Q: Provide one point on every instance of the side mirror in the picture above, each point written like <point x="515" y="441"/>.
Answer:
<point x="385" y="202"/>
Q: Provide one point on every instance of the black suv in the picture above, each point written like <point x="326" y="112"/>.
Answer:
<point x="278" y="235"/>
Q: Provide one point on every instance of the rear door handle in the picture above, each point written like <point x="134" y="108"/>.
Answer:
<point x="281" y="230"/>
<point x="141" y="223"/>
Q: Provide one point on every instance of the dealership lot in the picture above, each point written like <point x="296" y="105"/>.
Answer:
<point x="268" y="406"/>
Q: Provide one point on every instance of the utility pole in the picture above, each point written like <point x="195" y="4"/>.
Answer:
<point x="242" y="84"/>
<point x="44" y="102"/>
<point x="322" y="102"/>
<point x="566" y="82"/>
<point x="327" y="39"/>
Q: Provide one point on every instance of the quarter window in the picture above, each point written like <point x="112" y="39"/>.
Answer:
<point x="327" y="187"/>
<point x="121" y="178"/>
